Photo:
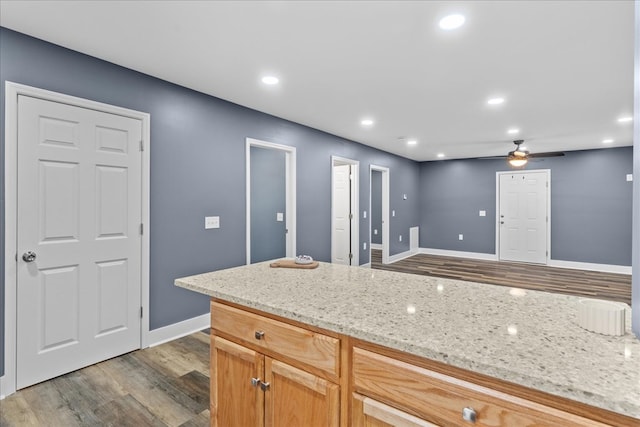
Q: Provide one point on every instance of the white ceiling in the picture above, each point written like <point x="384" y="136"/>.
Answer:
<point x="565" y="68"/>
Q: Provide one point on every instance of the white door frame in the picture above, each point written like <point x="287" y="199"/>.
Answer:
<point x="12" y="91"/>
<point x="290" y="193"/>
<point x="385" y="211"/>
<point x="355" y="205"/>
<point x="548" y="174"/>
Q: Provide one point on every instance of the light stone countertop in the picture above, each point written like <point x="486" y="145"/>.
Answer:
<point x="526" y="337"/>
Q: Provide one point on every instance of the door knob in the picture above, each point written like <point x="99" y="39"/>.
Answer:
<point x="29" y="256"/>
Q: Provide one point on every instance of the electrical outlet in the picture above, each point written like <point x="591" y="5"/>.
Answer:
<point x="629" y="177"/>
<point x="483" y="213"/>
<point x="375" y="231"/>
<point x="460" y="237"/>
<point x="211" y="222"/>
<point x="279" y="216"/>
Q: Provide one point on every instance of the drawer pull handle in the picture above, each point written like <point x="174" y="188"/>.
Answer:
<point x="259" y="335"/>
<point x="255" y="382"/>
<point x="265" y="386"/>
<point x="469" y="414"/>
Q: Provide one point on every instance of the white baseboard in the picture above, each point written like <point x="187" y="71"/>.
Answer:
<point x="458" y="254"/>
<point x="376" y="246"/>
<point x="604" y="268"/>
<point x="180" y="329"/>
<point x="367" y="265"/>
<point x="401" y="255"/>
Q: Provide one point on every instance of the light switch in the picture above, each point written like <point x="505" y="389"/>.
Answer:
<point x="364" y="214"/>
<point x="629" y="177"/>
<point x="400" y="238"/>
<point x="404" y="197"/>
<point x="460" y="237"/>
<point x="483" y="213"/>
<point x="393" y="213"/>
<point x="279" y="216"/>
<point x="364" y="246"/>
<point x="211" y="222"/>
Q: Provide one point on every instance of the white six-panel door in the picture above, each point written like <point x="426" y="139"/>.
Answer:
<point x="79" y="212"/>
<point x="341" y="232"/>
<point x="523" y="216"/>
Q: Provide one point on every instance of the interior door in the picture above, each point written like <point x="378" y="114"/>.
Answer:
<point x="78" y="237"/>
<point x="523" y="216"/>
<point x="341" y="232"/>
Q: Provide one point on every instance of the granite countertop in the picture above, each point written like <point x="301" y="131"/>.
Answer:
<point x="527" y="337"/>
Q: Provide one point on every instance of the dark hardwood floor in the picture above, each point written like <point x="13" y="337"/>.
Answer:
<point x="615" y="287"/>
<point x="167" y="385"/>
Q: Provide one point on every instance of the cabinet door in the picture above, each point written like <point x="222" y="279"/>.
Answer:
<point x="235" y="401"/>
<point x="298" y="398"/>
<point x="371" y="413"/>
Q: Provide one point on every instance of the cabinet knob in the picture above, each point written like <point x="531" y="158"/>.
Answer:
<point x="469" y="414"/>
<point x="255" y="382"/>
<point x="265" y="386"/>
<point x="259" y="335"/>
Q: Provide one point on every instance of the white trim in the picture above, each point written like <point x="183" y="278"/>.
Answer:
<point x="385" y="211"/>
<point x="400" y="256"/>
<point x="290" y="190"/>
<point x="604" y="268"/>
<point x="12" y="90"/>
<point x="548" y="173"/>
<point x="178" y="330"/>
<point x="367" y="265"/>
<point x="4" y="393"/>
<point x="414" y="239"/>
<point x="458" y="254"/>
<point x="355" y="205"/>
<point x="377" y="246"/>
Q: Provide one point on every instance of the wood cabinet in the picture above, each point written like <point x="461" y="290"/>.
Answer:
<point x="269" y="371"/>
<point x="261" y="372"/>
<point x="444" y="400"/>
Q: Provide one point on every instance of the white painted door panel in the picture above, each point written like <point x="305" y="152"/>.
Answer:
<point x="79" y="210"/>
<point x="341" y="233"/>
<point x="523" y="217"/>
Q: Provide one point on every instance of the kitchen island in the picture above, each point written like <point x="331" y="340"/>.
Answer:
<point x="462" y="335"/>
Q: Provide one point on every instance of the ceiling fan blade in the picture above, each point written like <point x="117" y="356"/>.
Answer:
<point x="550" y="154"/>
<point x="491" y="158"/>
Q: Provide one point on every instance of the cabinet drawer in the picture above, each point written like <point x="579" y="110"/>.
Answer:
<point x="441" y="399"/>
<point x="311" y="348"/>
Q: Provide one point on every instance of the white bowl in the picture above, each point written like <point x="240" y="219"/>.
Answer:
<point x="603" y="317"/>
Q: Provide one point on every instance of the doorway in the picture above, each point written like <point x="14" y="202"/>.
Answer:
<point x="344" y="211"/>
<point x="380" y="175"/>
<point x="270" y="196"/>
<point x="523" y="216"/>
<point x="76" y="280"/>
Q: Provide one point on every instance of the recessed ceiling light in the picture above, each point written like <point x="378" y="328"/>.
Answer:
<point x="270" y="80"/>
<point x="625" y="119"/>
<point x="513" y="131"/>
<point x="451" y="22"/>
<point x="412" y="142"/>
<point x="366" y="122"/>
<point x="495" y="101"/>
<point x="607" y="141"/>
<point x="440" y="155"/>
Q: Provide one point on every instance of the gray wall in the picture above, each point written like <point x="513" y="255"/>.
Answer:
<point x="591" y="205"/>
<point x="268" y="197"/>
<point x="376" y="206"/>
<point x="197" y="169"/>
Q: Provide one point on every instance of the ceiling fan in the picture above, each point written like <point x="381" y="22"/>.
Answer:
<point x="520" y="156"/>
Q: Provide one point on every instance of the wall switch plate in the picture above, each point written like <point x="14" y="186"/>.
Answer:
<point x="460" y="237"/>
<point x="483" y="213"/>
<point x="400" y="238"/>
<point x="279" y="216"/>
<point x="375" y="231"/>
<point x="404" y="197"/>
<point x="211" y="222"/>
<point x="629" y="177"/>
<point x="393" y="213"/>
<point x="364" y="246"/>
<point x="364" y="214"/>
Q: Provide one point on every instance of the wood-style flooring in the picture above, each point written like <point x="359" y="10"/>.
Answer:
<point x="167" y="385"/>
<point x="615" y="287"/>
